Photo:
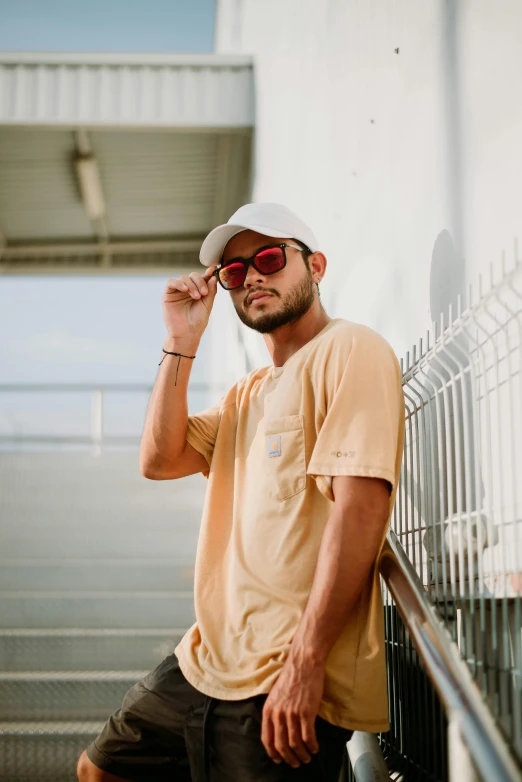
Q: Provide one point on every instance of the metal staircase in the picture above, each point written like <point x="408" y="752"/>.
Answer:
<point x="47" y="716"/>
<point x="82" y="615"/>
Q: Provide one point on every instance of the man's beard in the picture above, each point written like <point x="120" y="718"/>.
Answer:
<point x="294" y="305"/>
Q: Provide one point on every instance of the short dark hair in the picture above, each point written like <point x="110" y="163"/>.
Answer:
<point x="305" y="251"/>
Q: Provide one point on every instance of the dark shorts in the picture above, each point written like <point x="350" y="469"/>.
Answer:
<point x="167" y="730"/>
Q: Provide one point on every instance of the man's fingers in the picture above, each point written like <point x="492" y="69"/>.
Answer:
<point x="295" y="739"/>
<point x="281" y="741"/>
<point x="195" y="284"/>
<point x="174" y="285"/>
<point x="184" y="284"/>
<point x="211" y="280"/>
<point x="212" y="284"/>
<point x="267" y="738"/>
<point x="199" y="283"/>
<point x="309" y="735"/>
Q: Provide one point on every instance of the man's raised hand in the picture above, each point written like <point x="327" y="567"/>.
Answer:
<point x="187" y="304"/>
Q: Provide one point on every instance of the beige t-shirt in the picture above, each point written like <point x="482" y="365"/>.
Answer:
<point x="335" y="408"/>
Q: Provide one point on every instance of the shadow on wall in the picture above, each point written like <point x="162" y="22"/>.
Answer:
<point x="447" y="277"/>
<point x="449" y="390"/>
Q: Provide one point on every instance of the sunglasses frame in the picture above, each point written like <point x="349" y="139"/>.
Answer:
<point x="250" y="262"/>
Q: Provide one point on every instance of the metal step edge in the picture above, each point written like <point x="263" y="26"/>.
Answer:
<point x="91" y="594"/>
<point x="79" y="632"/>
<point x="50" y="728"/>
<point x="41" y="676"/>
<point x="92" y="561"/>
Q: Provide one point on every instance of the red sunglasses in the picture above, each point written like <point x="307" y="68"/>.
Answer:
<point x="267" y="260"/>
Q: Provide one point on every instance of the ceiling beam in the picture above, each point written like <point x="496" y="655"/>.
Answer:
<point x="48" y="270"/>
<point x="137" y="247"/>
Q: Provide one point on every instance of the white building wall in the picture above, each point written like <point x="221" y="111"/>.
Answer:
<point x="407" y="164"/>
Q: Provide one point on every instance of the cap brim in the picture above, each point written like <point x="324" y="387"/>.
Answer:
<point x="212" y="248"/>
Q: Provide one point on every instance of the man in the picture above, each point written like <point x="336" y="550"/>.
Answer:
<point x="286" y="658"/>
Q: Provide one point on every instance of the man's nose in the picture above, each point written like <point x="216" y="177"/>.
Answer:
<point x="253" y="277"/>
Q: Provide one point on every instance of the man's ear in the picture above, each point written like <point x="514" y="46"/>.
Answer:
<point x="318" y="265"/>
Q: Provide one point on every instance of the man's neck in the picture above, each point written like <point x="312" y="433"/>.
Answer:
<point x="287" y="340"/>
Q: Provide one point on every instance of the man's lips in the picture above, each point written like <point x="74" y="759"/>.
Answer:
<point x="259" y="296"/>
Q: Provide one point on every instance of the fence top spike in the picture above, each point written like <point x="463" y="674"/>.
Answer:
<point x="459" y="305"/>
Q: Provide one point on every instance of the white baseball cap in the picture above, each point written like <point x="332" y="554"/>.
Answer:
<point x="269" y="219"/>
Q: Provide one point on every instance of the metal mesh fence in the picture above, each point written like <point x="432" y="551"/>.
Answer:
<point x="458" y="515"/>
<point x="415" y="747"/>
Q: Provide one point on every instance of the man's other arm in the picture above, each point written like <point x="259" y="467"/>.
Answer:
<point x="347" y="554"/>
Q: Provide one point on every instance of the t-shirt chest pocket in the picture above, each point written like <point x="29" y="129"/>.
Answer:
<point x="285" y="456"/>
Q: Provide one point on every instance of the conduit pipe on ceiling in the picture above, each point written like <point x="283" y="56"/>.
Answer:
<point x="90" y="186"/>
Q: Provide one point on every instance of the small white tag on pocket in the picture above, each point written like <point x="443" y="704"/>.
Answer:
<point x="274" y="445"/>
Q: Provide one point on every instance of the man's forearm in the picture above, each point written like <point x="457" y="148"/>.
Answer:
<point x="347" y="555"/>
<point x="165" y="428"/>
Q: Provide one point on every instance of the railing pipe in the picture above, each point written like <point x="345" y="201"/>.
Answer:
<point x="366" y="757"/>
<point x="448" y="672"/>
<point x="96" y="436"/>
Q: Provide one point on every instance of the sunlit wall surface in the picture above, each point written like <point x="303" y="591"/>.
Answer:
<point x="393" y="129"/>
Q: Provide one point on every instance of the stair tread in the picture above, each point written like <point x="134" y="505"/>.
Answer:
<point x="66" y="593"/>
<point x="68" y="632"/>
<point x="71" y="675"/>
<point x="50" y="728"/>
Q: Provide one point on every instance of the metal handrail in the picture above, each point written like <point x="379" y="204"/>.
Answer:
<point x="90" y="387"/>
<point x="97" y="436"/>
<point x="469" y="718"/>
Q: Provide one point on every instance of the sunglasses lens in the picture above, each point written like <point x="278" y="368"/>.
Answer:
<point x="233" y="275"/>
<point x="270" y="261"/>
<point x="267" y="261"/>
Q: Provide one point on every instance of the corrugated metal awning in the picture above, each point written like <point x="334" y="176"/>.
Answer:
<point x="153" y="90"/>
<point x="119" y="163"/>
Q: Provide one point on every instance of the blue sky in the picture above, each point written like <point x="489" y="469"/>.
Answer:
<point x="107" y="25"/>
<point x="85" y="329"/>
<point x="82" y="330"/>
